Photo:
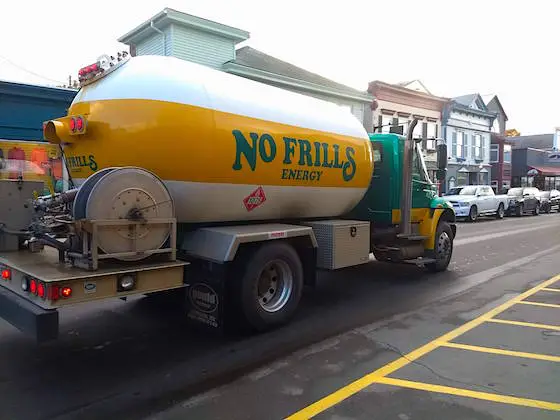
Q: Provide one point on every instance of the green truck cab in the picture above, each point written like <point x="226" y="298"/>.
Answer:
<point x="400" y="186"/>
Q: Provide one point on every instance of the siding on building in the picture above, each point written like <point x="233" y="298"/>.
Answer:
<point x="202" y="47"/>
<point x="153" y="44"/>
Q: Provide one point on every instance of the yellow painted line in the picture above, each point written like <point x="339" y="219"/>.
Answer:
<point x="524" y="324"/>
<point x="365" y="381"/>
<point x="550" y="289"/>
<point x="502" y="352"/>
<point x="546" y="305"/>
<point x="488" y="396"/>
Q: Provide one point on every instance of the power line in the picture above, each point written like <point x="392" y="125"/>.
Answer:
<point x="29" y="71"/>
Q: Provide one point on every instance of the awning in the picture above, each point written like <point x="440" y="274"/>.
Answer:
<point x="547" y="170"/>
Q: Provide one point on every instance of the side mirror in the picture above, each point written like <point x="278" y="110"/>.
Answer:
<point x="441" y="156"/>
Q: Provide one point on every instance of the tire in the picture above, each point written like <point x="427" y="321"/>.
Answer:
<point x="537" y="210"/>
<point x="548" y="209"/>
<point x="519" y="210"/>
<point x="443" y="239"/>
<point x="381" y="256"/>
<point x="270" y="289"/>
<point x="473" y="214"/>
<point x="500" y="213"/>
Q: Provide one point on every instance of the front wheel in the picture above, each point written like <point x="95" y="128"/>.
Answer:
<point x="537" y="210"/>
<point x="473" y="214"/>
<point x="443" y="248"/>
<point x="270" y="289"/>
<point x="500" y="213"/>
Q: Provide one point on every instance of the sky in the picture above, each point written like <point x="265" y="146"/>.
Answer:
<point x="507" y="48"/>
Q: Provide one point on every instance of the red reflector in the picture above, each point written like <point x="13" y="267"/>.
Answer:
<point x="53" y="293"/>
<point x="33" y="286"/>
<point x="41" y="290"/>
<point x="80" y="123"/>
<point x="66" y="292"/>
<point x="6" y="274"/>
<point x="94" y="67"/>
<point x="72" y="124"/>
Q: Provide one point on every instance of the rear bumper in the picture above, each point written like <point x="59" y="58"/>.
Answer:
<point x="28" y="317"/>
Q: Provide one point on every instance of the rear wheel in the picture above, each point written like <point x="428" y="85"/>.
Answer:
<point x="501" y="211"/>
<point x="519" y="210"/>
<point x="473" y="214"/>
<point x="271" y="286"/>
<point x="537" y="210"/>
<point x="443" y="248"/>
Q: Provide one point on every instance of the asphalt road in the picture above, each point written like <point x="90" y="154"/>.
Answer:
<point x="135" y="359"/>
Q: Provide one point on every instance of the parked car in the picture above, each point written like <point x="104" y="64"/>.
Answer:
<point x="523" y="200"/>
<point x="471" y="201"/>
<point x="550" y="200"/>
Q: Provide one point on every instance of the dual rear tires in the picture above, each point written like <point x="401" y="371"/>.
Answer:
<point x="269" y="286"/>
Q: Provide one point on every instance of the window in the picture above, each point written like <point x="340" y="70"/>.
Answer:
<point x="495" y="151"/>
<point x="431" y="134"/>
<point x="377" y="157"/>
<point x="507" y="153"/>
<point x="417" y="134"/>
<point x="462" y="178"/>
<point x="404" y="123"/>
<point x="477" y="145"/>
<point x="432" y="128"/>
<point x="386" y="121"/>
<point x="460" y="148"/>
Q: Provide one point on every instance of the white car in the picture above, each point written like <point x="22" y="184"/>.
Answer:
<point x="471" y="201"/>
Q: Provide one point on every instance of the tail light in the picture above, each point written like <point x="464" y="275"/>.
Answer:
<point x="66" y="292"/>
<point x="6" y="274"/>
<point x="33" y="286"/>
<point x="41" y="290"/>
<point x="77" y="125"/>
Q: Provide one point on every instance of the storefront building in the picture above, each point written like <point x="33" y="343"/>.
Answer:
<point x="535" y="168"/>
<point x="398" y="104"/>
<point x="467" y="125"/>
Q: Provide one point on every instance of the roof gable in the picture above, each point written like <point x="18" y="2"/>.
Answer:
<point x="473" y="101"/>
<point x="495" y="105"/>
<point x="168" y="16"/>
<point x="416" y="85"/>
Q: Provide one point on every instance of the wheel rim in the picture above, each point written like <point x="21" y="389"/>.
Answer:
<point x="473" y="214"/>
<point x="443" y="247"/>
<point x="275" y="286"/>
<point x="501" y="211"/>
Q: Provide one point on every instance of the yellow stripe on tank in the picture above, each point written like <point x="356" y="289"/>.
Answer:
<point x="189" y="143"/>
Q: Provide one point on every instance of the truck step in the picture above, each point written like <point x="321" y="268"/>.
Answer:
<point x="412" y="237"/>
<point x="420" y="261"/>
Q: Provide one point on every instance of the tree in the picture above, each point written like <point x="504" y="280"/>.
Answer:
<point x="512" y="132"/>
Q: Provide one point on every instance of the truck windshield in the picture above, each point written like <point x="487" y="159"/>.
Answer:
<point x="419" y="170"/>
<point x="468" y="191"/>
<point x="514" y="192"/>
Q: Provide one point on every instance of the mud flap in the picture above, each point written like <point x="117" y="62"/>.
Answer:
<point x="206" y="295"/>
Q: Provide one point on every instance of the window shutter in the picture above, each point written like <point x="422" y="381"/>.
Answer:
<point x="424" y="135"/>
<point x="454" y="144"/>
<point x="380" y="123"/>
<point x="473" y="146"/>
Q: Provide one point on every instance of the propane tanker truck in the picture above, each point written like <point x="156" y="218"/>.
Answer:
<point x="230" y="193"/>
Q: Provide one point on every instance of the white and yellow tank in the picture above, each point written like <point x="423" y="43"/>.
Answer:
<point x="227" y="148"/>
